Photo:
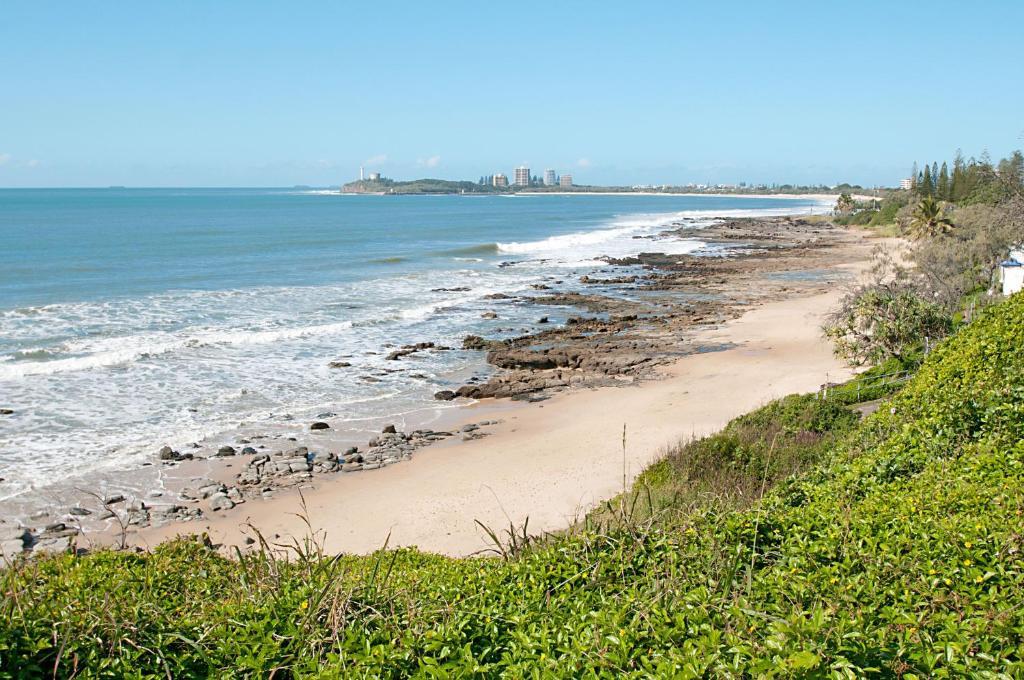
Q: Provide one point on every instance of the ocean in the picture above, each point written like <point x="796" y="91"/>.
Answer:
<point x="133" y="318"/>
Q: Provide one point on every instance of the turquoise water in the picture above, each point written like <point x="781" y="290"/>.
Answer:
<point x="132" y="318"/>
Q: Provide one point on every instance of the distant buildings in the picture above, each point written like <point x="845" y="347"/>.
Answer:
<point x="499" y="180"/>
<point x="565" y="181"/>
<point x="906" y="183"/>
<point x="374" y="176"/>
<point x="549" y="178"/>
<point x="522" y="176"/>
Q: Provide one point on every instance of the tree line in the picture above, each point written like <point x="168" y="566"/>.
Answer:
<point x="974" y="180"/>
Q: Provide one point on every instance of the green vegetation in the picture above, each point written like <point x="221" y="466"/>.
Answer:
<point x="418" y="186"/>
<point x="886" y="318"/>
<point x="928" y="220"/>
<point x="955" y="258"/>
<point x="890" y="548"/>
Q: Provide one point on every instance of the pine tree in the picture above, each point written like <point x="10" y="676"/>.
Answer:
<point x="942" y="186"/>
<point x="957" y="182"/>
<point x="927" y="188"/>
<point x="915" y="183"/>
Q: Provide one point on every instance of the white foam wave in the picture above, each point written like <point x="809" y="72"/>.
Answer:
<point x="123" y="350"/>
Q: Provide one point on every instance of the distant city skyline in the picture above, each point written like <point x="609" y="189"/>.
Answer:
<point x="255" y="94"/>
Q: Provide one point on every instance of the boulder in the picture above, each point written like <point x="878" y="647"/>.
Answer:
<point x="167" y="453"/>
<point x="11" y="548"/>
<point x="319" y="425"/>
<point x="389" y="429"/>
<point x="53" y="546"/>
<point x="248" y="451"/>
<point x="444" y="395"/>
<point x="339" y="364"/>
<point x="113" y="499"/>
<point x="220" y="501"/>
<point x="226" y="451"/>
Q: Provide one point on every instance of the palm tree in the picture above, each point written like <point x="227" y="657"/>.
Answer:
<point x="928" y="220"/>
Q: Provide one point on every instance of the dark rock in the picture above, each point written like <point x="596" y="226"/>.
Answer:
<point x="113" y="499"/>
<point x="248" y="451"/>
<point x="338" y="364"/>
<point x="6" y="411"/>
<point x="488" y="315"/>
<point x="389" y="429"/>
<point x="319" y="425"/>
<point x="444" y="395"/>
<point x="477" y="342"/>
<point x="497" y="296"/>
<point x="79" y="512"/>
<point x="226" y="451"/>
<point x="542" y="319"/>
<point x="167" y="453"/>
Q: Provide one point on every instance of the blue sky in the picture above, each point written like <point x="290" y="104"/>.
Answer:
<point x="275" y="94"/>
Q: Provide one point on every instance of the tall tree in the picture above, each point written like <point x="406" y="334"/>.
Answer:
<point x="956" y="182"/>
<point x="927" y="188"/>
<point x="942" y="185"/>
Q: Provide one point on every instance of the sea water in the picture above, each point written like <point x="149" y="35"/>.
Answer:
<point x="133" y="318"/>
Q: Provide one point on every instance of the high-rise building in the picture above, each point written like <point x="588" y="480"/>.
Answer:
<point x="500" y="180"/>
<point x="565" y="181"/>
<point x="906" y="183"/>
<point x="522" y="176"/>
<point x="549" y="178"/>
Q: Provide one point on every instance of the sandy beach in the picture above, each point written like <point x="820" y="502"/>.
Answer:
<point x="551" y="461"/>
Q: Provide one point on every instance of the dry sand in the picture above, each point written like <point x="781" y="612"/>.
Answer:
<point x="550" y="461"/>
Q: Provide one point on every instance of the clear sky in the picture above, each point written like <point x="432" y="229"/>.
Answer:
<point x="276" y="94"/>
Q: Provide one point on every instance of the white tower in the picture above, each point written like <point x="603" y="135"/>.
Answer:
<point x="360" y="173"/>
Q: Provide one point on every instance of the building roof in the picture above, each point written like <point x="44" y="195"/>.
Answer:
<point x="1010" y="263"/>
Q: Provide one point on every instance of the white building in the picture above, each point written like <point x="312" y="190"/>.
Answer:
<point x="565" y="181"/>
<point x="374" y="176"/>
<point x="906" y="183"/>
<point x="522" y="176"/>
<point x="1011" y="271"/>
<point x="549" y="178"/>
<point x="499" y="180"/>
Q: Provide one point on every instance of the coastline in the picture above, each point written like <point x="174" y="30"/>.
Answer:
<point x="622" y="330"/>
<point x="548" y="462"/>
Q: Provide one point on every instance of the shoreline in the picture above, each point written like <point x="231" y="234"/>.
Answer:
<point x="547" y="463"/>
<point x="631" y="334"/>
<point x="528" y="463"/>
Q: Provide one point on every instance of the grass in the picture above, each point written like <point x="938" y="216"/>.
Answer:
<point x="797" y="543"/>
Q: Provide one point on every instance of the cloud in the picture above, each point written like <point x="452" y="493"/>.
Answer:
<point x="431" y="162"/>
<point x="376" y="160"/>
<point x="4" y="157"/>
<point x="583" y="163"/>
